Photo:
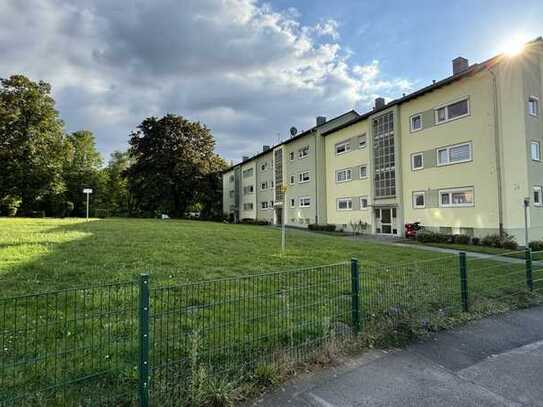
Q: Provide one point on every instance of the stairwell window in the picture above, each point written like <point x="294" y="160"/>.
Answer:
<point x="535" y="150"/>
<point x="533" y="106"/>
<point x="454" y="154"/>
<point x="537" y="196"/>
<point x="452" y="111"/>
<point x="345" y="204"/>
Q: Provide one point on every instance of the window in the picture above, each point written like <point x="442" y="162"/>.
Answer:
<point x="303" y="152"/>
<point x="533" y="106"/>
<point x="271" y="204"/>
<point x="416" y="122"/>
<point x="248" y="190"/>
<point x="343" y="147"/>
<point x="292" y="180"/>
<point x="264" y="166"/>
<point x="248" y="173"/>
<point x="344" y="204"/>
<point x="291" y="156"/>
<point x="537" y="196"/>
<point x="231" y="179"/>
<point x="303" y="177"/>
<point x="264" y="204"/>
<point x="293" y="203"/>
<point x="417" y="161"/>
<point x="459" y="197"/>
<point x="419" y="200"/>
<point x="363" y="202"/>
<point x="454" y="154"/>
<point x="362" y="141"/>
<point x="363" y="171"/>
<point x="535" y="150"/>
<point x="305" y="202"/>
<point x="344" y="175"/>
<point x="248" y="206"/>
<point x="452" y="111"/>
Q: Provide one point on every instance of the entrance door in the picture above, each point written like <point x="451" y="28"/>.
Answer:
<point x="279" y="216"/>
<point x="386" y="221"/>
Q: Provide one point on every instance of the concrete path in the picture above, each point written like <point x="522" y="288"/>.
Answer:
<point x="492" y="362"/>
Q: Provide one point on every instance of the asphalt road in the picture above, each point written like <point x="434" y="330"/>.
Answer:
<point x="493" y="362"/>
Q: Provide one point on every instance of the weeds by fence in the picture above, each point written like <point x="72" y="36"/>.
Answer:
<point x="192" y="344"/>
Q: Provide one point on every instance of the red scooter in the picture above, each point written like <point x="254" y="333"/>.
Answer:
<point x="411" y="229"/>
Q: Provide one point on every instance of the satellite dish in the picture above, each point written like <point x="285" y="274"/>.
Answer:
<point x="293" y="131"/>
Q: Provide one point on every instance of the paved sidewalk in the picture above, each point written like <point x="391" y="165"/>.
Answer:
<point x="493" y="362"/>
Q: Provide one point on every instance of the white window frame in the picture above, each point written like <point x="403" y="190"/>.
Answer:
<point x="360" y="169"/>
<point x="291" y="156"/>
<point x="301" y="154"/>
<point x="363" y="136"/>
<point x="346" y="144"/>
<point x="293" y="202"/>
<point x="301" y="177"/>
<point x="535" y="101"/>
<point x="264" y="186"/>
<point x="538" y="145"/>
<point x="364" y="208"/>
<point x="264" y="166"/>
<point x="292" y="180"/>
<point x="413" y="161"/>
<point x="247" y="204"/>
<point x="539" y="189"/>
<point x="418" y="193"/>
<point x="347" y="178"/>
<point x="413" y="130"/>
<point x="264" y="207"/>
<point x="346" y="209"/>
<point x="450" y="191"/>
<point x="446" y="106"/>
<point x="448" y="149"/>
<point x="301" y="203"/>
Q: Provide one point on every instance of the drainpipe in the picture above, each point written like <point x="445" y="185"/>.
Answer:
<point x="316" y="177"/>
<point x="498" y="150"/>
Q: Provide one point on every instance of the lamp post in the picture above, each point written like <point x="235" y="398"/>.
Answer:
<point x="526" y="205"/>
<point x="87" y="191"/>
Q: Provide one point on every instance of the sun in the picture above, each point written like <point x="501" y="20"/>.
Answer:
<point x="514" y="45"/>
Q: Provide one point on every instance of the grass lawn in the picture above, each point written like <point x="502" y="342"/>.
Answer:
<point x="238" y="323"/>
<point x="48" y="254"/>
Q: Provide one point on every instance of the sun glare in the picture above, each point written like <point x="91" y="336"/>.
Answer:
<point x="514" y="46"/>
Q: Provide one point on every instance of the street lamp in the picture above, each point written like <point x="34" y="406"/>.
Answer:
<point x="87" y="191"/>
<point x="526" y="206"/>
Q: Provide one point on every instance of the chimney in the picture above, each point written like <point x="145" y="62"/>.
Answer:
<point x="244" y="158"/>
<point x="321" y="120"/>
<point x="379" y="103"/>
<point x="460" y="64"/>
<point x="265" y="148"/>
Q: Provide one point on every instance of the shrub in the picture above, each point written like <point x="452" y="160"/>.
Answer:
<point x="69" y="206"/>
<point x="249" y="221"/>
<point x="101" y="213"/>
<point x="9" y="205"/>
<point x="322" y="228"/>
<point x="510" y="244"/>
<point x="492" y="241"/>
<point x="462" y="239"/>
<point x="536" y="245"/>
<point x="475" y="241"/>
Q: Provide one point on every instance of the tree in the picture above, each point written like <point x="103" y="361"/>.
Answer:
<point x="172" y="158"/>
<point x="82" y="169"/>
<point x="117" y="194"/>
<point x="210" y="194"/>
<point x="31" y="142"/>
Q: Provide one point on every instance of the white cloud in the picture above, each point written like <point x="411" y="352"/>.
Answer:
<point x="244" y="69"/>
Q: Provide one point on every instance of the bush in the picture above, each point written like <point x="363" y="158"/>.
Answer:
<point x="475" y="241"/>
<point x="101" y="213"/>
<point x="322" y="228"/>
<point x="249" y="221"/>
<point x="9" y="205"/>
<point x="462" y="239"/>
<point x="69" y="207"/>
<point x="510" y="244"/>
<point x="506" y="241"/>
<point x="36" y="214"/>
<point x="536" y="245"/>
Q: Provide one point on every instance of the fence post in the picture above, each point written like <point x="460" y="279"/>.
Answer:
<point x="529" y="277"/>
<point x="143" y="311"/>
<point x="463" y="281"/>
<point x="355" y="295"/>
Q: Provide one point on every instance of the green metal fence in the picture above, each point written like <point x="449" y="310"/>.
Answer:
<point x="138" y="343"/>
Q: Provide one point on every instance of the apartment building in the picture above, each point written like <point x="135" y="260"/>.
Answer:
<point x="460" y="156"/>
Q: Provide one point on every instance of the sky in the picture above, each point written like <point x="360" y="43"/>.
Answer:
<point x="248" y="70"/>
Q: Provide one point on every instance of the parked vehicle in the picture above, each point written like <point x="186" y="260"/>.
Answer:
<point x="411" y="229"/>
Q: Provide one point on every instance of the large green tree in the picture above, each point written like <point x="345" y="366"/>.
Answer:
<point x="117" y="195"/>
<point x="172" y="159"/>
<point x="31" y="142"/>
<point x="82" y="169"/>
